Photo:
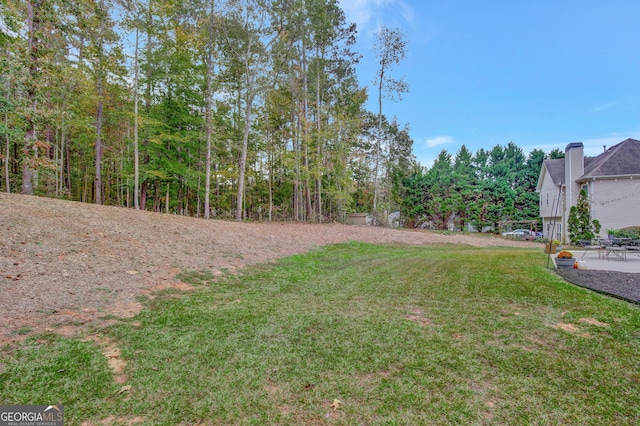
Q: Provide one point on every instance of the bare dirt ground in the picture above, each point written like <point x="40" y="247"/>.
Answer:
<point x="67" y="265"/>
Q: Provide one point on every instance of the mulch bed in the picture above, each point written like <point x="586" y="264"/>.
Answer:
<point x="623" y="285"/>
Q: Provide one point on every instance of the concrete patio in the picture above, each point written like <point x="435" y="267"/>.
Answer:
<point x="591" y="259"/>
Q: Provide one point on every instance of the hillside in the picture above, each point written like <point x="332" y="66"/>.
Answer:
<point x="65" y="265"/>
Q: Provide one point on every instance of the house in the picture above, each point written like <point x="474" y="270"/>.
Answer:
<point x="611" y="180"/>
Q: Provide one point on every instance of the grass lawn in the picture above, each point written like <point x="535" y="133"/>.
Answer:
<point x="399" y="335"/>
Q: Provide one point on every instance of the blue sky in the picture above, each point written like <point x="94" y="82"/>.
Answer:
<point x="540" y="73"/>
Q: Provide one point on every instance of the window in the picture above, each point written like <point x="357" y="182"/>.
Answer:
<point x="547" y="199"/>
<point x="585" y="187"/>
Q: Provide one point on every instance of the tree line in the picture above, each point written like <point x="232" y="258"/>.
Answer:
<point x="480" y="191"/>
<point x="230" y="109"/>
<point x="234" y="108"/>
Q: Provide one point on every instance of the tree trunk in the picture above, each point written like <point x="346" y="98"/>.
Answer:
<point x="157" y="202"/>
<point x="61" y="175"/>
<point x="245" y="147"/>
<point x="147" y="105"/>
<point x="296" y="148"/>
<point x="198" y="198"/>
<point x="28" y="170"/>
<point x="68" y="167"/>
<point x="6" y="157"/>
<point x="136" y="157"/>
<point x="98" y="186"/>
<point x="270" y="182"/>
<point x="305" y="132"/>
<point x="143" y="196"/>
<point x="377" y="156"/>
<point x="166" y="201"/>
<point x="318" y="149"/>
<point x="207" y="185"/>
<point x="307" y="189"/>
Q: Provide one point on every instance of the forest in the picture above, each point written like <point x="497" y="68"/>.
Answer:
<point x="232" y="109"/>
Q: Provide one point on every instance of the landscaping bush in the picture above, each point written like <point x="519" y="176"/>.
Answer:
<point x="632" y="232"/>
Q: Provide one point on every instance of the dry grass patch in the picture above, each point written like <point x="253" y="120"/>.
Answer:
<point x="116" y="421"/>
<point x="593" y="321"/>
<point x="418" y="316"/>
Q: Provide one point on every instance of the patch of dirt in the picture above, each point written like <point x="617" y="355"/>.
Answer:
<point x="567" y="327"/>
<point x="271" y="388"/>
<point x="593" y="321"/>
<point x="417" y="315"/>
<point x="113" y="420"/>
<point x="571" y="328"/>
<point x="116" y="364"/>
<point x="67" y="265"/>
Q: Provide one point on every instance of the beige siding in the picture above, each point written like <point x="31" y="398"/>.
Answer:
<point x="615" y="203"/>
<point x="548" y="196"/>
<point x="548" y="206"/>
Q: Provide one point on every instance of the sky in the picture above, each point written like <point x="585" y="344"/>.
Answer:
<point x="541" y="73"/>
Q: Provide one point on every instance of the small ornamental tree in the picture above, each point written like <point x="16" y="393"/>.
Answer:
<point x="581" y="227"/>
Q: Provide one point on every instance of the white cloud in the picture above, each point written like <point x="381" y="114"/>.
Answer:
<point x="439" y="140"/>
<point x="358" y="11"/>
<point x="407" y="13"/>
<point x="368" y="15"/>
<point x="605" y="107"/>
<point x="596" y="146"/>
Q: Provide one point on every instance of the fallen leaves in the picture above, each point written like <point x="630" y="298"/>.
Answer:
<point x="124" y="389"/>
<point x="336" y="404"/>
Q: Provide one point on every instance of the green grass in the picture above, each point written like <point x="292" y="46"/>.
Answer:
<point x="400" y="335"/>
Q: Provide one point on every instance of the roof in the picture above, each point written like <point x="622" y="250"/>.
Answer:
<point x="556" y="170"/>
<point x="622" y="159"/>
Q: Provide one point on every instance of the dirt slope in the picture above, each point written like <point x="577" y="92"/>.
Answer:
<point x="64" y="265"/>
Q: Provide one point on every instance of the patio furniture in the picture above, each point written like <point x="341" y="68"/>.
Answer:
<point x="588" y="245"/>
<point x="608" y="248"/>
<point x="618" y="251"/>
<point x="633" y="247"/>
<point x="613" y="246"/>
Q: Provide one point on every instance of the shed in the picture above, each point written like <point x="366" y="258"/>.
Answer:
<point x="357" y="219"/>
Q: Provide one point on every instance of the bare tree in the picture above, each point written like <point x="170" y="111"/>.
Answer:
<point x="390" y="49"/>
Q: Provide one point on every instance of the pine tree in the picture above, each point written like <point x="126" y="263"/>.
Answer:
<point x="581" y="227"/>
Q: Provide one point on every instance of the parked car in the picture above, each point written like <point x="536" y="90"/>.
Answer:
<point x="521" y="234"/>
